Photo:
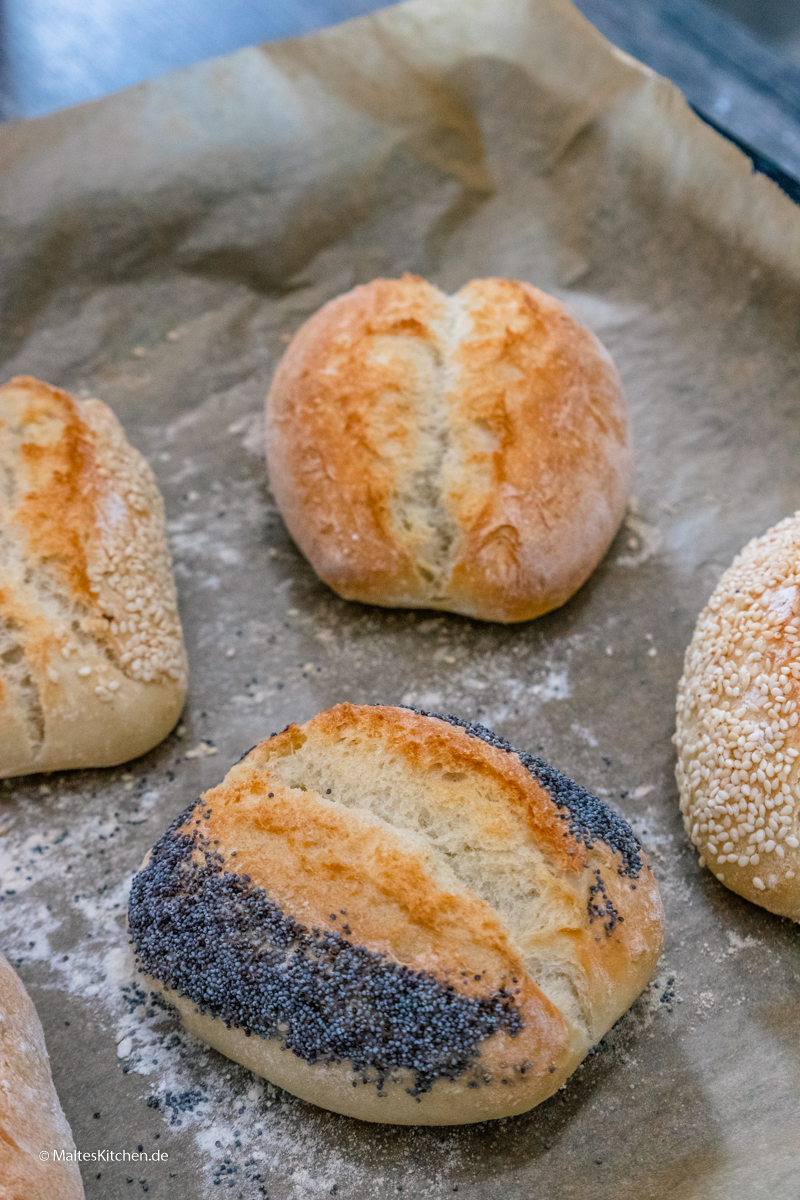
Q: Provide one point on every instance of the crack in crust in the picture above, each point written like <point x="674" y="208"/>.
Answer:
<point x="589" y="818"/>
<point x="15" y="671"/>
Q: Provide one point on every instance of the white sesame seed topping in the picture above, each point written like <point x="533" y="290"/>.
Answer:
<point x="127" y="603"/>
<point x="739" y="779"/>
<point x="129" y="566"/>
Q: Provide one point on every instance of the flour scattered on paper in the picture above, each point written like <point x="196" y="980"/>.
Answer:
<point x="248" y="1133"/>
<point x="520" y="698"/>
<point x="737" y="944"/>
<point x="643" y="542"/>
<point x="232" y="1115"/>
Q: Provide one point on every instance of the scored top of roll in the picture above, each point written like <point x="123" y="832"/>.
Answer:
<point x="467" y="452"/>
<point x="436" y="925"/>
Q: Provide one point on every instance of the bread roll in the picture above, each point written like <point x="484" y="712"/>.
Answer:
<point x="92" y="665"/>
<point x="31" y="1120"/>
<point x="398" y="916"/>
<point x="466" y="452"/>
<point x="737" y="734"/>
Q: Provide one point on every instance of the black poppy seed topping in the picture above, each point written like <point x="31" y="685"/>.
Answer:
<point x="600" y="905"/>
<point x="215" y="937"/>
<point x="590" y="820"/>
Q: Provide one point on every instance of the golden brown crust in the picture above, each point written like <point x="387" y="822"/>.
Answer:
<point x="508" y="808"/>
<point x="448" y="857"/>
<point x="310" y="856"/>
<point x="93" y="666"/>
<point x="468" y="452"/>
<point x="31" y="1119"/>
<point x="336" y="456"/>
<point x="556" y="486"/>
<point x="737" y="732"/>
<point x="424" y="744"/>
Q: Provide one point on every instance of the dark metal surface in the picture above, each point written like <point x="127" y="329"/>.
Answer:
<point x="746" y="89"/>
<point x="777" y="21"/>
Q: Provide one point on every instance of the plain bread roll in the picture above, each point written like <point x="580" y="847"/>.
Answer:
<point x="466" y="452"/>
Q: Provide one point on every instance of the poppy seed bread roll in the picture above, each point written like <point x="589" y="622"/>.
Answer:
<point x="399" y="917"/>
<point x="92" y="664"/>
<point x="737" y="733"/>
<point x="31" y="1118"/>
<point x="466" y="452"/>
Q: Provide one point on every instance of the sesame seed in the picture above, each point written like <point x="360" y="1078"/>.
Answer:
<point x="737" y="705"/>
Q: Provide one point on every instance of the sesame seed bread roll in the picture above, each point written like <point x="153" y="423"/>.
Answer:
<point x="398" y="916"/>
<point x="737" y="734"/>
<point x="468" y="452"/>
<point x="31" y="1118"/>
<point x="92" y="664"/>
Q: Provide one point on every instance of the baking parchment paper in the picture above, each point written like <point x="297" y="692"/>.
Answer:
<point x="158" y="249"/>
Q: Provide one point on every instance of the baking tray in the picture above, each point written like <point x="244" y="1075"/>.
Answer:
<point x="158" y="248"/>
